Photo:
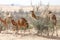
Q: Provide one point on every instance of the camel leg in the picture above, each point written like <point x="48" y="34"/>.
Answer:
<point x="29" y="31"/>
<point x="24" y="31"/>
<point x="16" y="30"/>
<point x="15" y="33"/>
<point x="20" y="31"/>
<point x="52" y="31"/>
<point x="48" y="33"/>
<point x="0" y="29"/>
<point x="56" y="31"/>
<point x="6" y="29"/>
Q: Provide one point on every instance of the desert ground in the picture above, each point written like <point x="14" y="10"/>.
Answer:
<point x="27" y="36"/>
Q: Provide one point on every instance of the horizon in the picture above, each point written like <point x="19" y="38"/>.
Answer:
<point x="28" y="2"/>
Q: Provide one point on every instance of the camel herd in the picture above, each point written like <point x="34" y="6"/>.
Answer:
<point x="23" y="23"/>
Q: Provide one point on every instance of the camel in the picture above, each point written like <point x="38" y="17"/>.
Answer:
<point x="4" y="23"/>
<point x="21" y="23"/>
<point x="53" y="19"/>
<point x="34" y="16"/>
<point x="14" y="23"/>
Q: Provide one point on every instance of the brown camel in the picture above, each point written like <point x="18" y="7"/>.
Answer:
<point x="21" y="23"/>
<point x="34" y="16"/>
<point x="14" y="23"/>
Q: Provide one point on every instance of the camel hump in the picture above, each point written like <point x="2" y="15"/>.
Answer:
<point x="23" y="19"/>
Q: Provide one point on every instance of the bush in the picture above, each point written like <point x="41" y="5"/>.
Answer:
<point x="43" y="24"/>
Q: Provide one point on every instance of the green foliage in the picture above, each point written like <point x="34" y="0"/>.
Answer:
<point x="43" y="24"/>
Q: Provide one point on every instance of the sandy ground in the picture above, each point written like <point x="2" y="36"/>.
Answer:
<point x="4" y="36"/>
<point x="13" y="37"/>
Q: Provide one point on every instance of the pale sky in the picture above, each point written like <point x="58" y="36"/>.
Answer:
<point x="28" y="2"/>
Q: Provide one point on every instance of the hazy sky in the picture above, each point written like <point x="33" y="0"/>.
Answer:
<point x="28" y="2"/>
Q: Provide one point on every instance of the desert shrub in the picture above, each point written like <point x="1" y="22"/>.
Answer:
<point x="43" y="24"/>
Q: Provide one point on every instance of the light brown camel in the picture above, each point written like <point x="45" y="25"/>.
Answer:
<point x="4" y="23"/>
<point x="53" y="19"/>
